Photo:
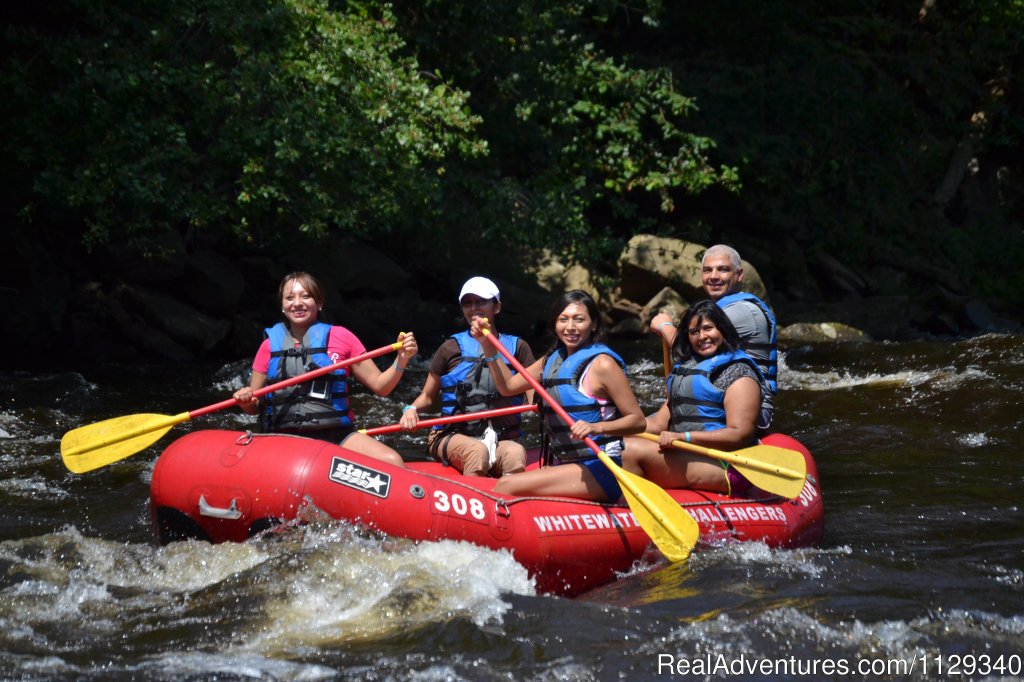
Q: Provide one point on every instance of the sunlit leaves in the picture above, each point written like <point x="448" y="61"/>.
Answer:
<point x="262" y="116"/>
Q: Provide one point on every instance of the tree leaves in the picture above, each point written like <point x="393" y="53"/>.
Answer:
<point x="255" y="117"/>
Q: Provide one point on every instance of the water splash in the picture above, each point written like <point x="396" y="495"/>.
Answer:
<point x="342" y="587"/>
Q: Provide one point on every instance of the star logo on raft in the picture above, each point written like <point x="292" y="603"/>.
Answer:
<point x="359" y="477"/>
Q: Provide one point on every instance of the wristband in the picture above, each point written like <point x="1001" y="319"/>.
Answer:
<point x="662" y="325"/>
<point x="398" y="367"/>
<point x="491" y="358"/>
<point x="686" y="436"/>
<point x="407" y="408"/>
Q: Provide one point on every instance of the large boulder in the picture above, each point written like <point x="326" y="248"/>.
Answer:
<point x="103" y="329"/>
<point x="648" y="264"/>
<point x="348" y="267"/>
<point x="819" y="332"/>
<point x="212" y="283"/>
<point x="192" y="329"/>
<point x="666" y="301"/>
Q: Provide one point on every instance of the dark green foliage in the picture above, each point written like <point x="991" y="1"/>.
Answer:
<point x="587" y="148"/>
<point x="853" y="126"/>
<point x="865" y="128"/>
<point x="257" y="118"/>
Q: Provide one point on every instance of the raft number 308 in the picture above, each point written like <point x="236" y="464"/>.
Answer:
<point x="459" y="505"/>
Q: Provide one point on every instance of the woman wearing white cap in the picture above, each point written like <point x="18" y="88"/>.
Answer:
<point x="460" y="375"/>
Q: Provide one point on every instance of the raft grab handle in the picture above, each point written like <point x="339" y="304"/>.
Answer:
<point x="232" y="513"/>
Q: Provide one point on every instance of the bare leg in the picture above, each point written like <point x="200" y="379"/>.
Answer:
<point x="365" y="445"/>
<point x="566" y="480"/>
<point x="673" y="468"/>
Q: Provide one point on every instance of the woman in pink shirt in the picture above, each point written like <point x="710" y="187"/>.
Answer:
<point x="318" y="408"/>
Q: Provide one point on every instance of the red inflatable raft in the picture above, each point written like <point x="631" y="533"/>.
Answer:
<point x="230" y="485"/>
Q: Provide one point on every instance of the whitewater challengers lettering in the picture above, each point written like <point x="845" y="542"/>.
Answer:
<point x="555" y="523"/>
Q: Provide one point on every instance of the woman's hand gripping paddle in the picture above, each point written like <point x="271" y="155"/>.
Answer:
<point x="97" y="445"/>
<point x="669" y="526"/>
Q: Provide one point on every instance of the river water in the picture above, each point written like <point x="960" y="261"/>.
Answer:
<point x="920" y="574"/>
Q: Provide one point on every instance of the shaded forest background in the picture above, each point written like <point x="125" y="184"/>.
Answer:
<point x="849" y="149"/>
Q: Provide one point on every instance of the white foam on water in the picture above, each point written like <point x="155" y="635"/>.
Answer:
<point x="975" y="624"/>
<point x="435" y="673"/>
<point x="1011" y="577"/>
<point x="47" y="667"/>
<point x="10" y="425"/>
<point x="791" y="632"/>
<point x="35" y="487"/>
<point x="54" y="596"/>
<point x="230" y="385"/>
<point x="645" y="366"/>
<point x="243" y="421"/>
<point x="803" y="561"/>
<point x="200" y="665"/>
<point x="651" y="560"/>
<point x="952" y="380"/>
<point x="944" y="378"/>
<point x="67" y="573"/>
<point x="972" y="440"/>
<point x="829" y="381"/>
<point x="360" y="589"/>
<point x="178" y="567"/>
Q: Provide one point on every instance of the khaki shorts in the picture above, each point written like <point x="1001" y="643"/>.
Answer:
<point x="469" y="455"/>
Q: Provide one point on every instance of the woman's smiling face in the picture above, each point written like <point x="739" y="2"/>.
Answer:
<point x="298" y="304"/>
<point x="475" y="306"/>
<point x="705" y="338"/>
<point x="574" y="326"/>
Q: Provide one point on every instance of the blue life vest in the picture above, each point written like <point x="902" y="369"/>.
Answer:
<point x="315" y="405"/>
<point x="694" y="402"/>
<point x="766" y="355"/>
<point x="469" y="387"/>
<point x="561" y="379"/>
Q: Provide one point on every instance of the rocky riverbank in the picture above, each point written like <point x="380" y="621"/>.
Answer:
<point x="196" y="306"/>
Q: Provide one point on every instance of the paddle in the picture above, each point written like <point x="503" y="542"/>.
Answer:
<point x="466" y="417"/>
<point x="772" y="469"/>
<point x="666" y="356"/>
<point x="669" y="526"/>
<point x="97" y="445"/>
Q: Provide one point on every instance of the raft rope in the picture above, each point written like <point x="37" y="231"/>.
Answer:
<point x="247" y="437"/>
<point x="509" y="502"/>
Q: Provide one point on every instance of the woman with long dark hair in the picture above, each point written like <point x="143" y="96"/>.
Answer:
<point x="714" y="399"/>
<point x="588" y="379"/>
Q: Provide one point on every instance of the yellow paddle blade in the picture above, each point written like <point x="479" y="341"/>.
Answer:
<point x="770" y="468"/>
<point x="670" y="527"/>
<point x="96" y="445"/>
